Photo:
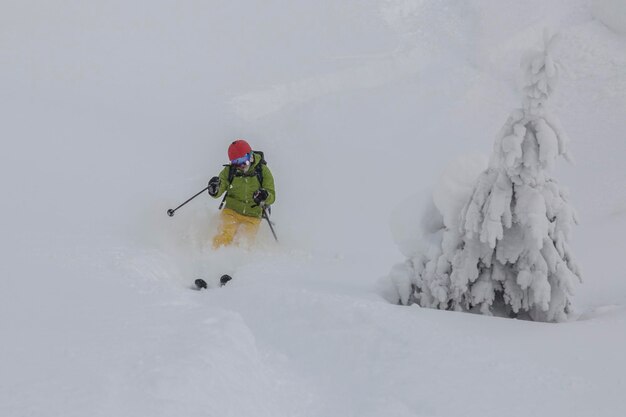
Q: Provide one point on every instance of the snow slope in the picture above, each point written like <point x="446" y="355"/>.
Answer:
<point x="114" y="112"/>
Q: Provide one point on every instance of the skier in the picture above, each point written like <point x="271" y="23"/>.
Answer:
<point x="248" y="186"/>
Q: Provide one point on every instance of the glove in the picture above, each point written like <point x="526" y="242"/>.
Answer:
<point x="214" y="186"/>
<point x="260" y="195"/>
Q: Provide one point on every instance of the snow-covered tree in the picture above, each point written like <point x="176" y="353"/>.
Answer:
<point x="509" y="252"/>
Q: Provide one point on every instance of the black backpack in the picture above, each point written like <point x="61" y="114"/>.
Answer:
<point x="234" y="172"/>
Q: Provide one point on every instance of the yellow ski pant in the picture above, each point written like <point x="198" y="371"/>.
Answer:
<point x="232" y="222"/>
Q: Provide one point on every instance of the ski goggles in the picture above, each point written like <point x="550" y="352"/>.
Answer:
<point x="244" y="160"/>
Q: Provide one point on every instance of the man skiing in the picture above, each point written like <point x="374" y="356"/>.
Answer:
<point x="248" y="185"/>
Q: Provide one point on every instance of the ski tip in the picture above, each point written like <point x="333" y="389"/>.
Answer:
<point x="200" y="284"/>
<point x="224" y="279"/>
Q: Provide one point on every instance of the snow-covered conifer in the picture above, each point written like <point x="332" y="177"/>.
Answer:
<point x="509" y="253"/>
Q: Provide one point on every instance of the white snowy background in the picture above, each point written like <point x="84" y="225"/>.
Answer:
<point x="112" y="112"/>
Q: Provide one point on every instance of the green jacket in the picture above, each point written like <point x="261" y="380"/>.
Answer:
<point x="243" y="186"/>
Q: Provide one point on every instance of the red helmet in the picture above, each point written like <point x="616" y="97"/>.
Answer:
<point x="238" y="149"/>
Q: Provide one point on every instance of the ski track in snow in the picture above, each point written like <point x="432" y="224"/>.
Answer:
<point x="258" y="104"/>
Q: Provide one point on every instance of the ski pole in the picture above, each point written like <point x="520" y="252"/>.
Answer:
<point x="171" y="212"/>
<point x="269" y="222"/>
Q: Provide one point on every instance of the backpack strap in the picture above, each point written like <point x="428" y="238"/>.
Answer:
<point x="259" y="174"/>
<point x="259" y="168"/>
<point x="231" y="175"/>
